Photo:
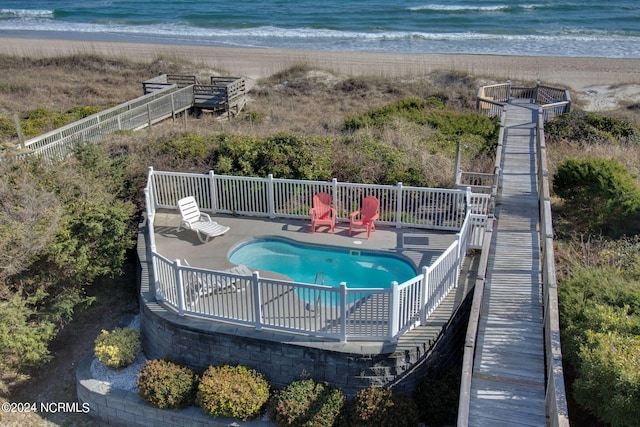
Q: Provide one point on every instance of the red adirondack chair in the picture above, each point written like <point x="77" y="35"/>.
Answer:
<point x="322" y="213"/>
<point x="366" y="216"/>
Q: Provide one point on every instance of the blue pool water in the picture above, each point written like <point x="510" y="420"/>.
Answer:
<point x="302" y="262"/>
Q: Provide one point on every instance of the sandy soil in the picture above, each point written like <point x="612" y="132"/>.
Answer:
<point x="599" y="83"/>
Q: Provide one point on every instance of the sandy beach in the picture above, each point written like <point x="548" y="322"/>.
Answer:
<point x="600" y="82"/>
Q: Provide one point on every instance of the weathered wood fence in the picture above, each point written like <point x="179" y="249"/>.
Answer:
<point x="556" y="399"/>
<point x="164" y="96"/>
<point x="133" y="115"/>
<point x="553" y="101"/>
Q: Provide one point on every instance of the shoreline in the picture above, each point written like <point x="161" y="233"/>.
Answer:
<point x="577" y="73"/>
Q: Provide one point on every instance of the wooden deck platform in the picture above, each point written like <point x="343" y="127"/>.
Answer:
<point x="222" y="94"/>
<point x="508" y="382"/>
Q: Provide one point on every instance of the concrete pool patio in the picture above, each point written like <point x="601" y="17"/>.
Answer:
<point x="420" y="246"/>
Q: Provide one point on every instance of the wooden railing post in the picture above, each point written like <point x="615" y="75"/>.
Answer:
<point x="459" y="259"/>
<point x="16" y="119"/>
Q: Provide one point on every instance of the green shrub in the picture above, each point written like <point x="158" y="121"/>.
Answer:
<point x="39" y="121"/>
<point x="165" y="384"/>
<point x="596" y="299"/>
<point x="412" y="109"/>
<point x="23" y="339"/>
<point x="601" y="193"/>
<point x="600" y="334"/>
<point x="283" y="155"/>
<point x="437" y="396"/>
<point x="118" y="348"/>
<point x="232" y="391"/>
<point x="189" y="147"/>
<point x="590" y="128"/>
<point x="380" y="407"/>
<point x="608" y="381"/>
<point x="467" y="128"/>
<point x="365" y="159"/>
<point x="307" y="403"/>
<point x="255" y="117"/>
<point x="7" y="129"/>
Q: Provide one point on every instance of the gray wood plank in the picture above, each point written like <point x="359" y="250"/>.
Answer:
<point x="507" y="386"/>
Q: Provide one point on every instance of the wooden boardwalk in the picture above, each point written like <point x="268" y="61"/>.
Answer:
<point x="508" y="381"/>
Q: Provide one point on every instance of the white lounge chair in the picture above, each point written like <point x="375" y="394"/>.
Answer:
<point x="197" y="286"/>
<point x="197" y="221"/>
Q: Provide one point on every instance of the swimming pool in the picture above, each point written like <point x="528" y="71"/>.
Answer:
<point x="307" y="263"/>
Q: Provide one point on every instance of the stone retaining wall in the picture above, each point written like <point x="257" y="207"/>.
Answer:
<point x="281" y="358"/>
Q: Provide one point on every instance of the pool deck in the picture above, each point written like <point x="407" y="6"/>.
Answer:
<point x="421" y="247"/>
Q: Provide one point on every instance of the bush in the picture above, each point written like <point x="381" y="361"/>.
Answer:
<point x="186" y="147"/>
<point x="437" y="396"/>
<point x="165" y="384"/>
<point x="307" y="403"/>
<point x="597" y="299"/>
<point x="232" y="391"/>
<point x="600" y="334"/>
<point x="255" y="117"/>
<point x="380" y="407"/>
<point x="23" y="339"/>
<point x="283" y="155"/>
<point x="601" y="192"/>
<point x="589" y="128"/>
<point x="118" y="348"/>
<point x="430" y="112"/>
<point x="38" y="121"/>
<point x="608" y="381"/>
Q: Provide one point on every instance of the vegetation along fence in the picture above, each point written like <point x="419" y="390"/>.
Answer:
<point x="133" y="115"/>
<point x="552" y="101"/>
<point x="341" y="313"/>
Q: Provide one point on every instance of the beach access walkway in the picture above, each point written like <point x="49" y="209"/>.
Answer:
<point x="508" y="380"/>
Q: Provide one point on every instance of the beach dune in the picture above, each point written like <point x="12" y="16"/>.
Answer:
<point x="596" y="79"/>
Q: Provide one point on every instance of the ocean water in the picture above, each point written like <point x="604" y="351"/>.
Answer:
<point x="581" y="28"/>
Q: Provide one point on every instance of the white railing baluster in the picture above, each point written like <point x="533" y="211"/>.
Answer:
<point x="257" y="304"/>
<point x="399" y="197"/>
<point x="395" y="306"/>
<point x="180" y="287"/>
<point x="362" y="314"/>
<point x="343" y="312"/>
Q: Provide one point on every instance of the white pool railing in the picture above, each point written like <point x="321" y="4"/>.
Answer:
<point x="354" y="314"/>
